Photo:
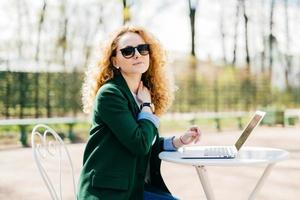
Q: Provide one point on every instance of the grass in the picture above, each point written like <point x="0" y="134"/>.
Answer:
<point x="11" y="134"/>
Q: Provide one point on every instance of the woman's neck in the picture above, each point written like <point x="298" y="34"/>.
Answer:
<point x="132" y="81"/>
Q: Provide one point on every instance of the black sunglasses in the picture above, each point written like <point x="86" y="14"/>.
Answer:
<point x="129" y="52"/>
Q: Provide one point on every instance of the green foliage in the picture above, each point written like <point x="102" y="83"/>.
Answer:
<point x="18" y="97"/>
<point x="200" y="88"/>
<point x="228" y="89"/>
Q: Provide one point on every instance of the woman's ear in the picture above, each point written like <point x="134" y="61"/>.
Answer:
<point x="114" y="62"/>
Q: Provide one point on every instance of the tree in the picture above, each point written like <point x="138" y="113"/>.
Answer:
<point x="271" y="39"/>
<point x="62" y="46"/>
<point x="241" y="6"/>
<point x="37" y="57"/>
<point x="126" y="12"/>
<point x="223" y="36"/>
<point x="236" y="24"/>
<point x="193" y="59"/>
<point x="287" y="42"/>
<point x="246" y="36"/>
<point x="7" y="91"/>
<point x="21" y="76"/>
<point x="263" y="36"/>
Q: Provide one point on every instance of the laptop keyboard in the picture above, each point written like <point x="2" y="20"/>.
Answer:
<point x="219" y="151"/>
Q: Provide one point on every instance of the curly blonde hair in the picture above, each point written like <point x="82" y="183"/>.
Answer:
<point x="155" y="78"/>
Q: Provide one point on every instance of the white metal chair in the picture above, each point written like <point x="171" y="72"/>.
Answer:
<point x="47" y="145"/>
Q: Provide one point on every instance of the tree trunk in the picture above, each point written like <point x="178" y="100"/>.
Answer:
<point x="126" y="12"/>
<point x="233" y="63"/>
<point x="37" y="59"/>
<point x="62" y="45"/>
<point x="22" y="93"/>
<point x="248" y="64"/>
<point x="193" y="59"/>
<point x="223" y="36"/>
<point x="48" y="92"/>
<point x="7" y="93"/>
<point x="263" y="36"/>
<point x="271" y="40"/>
<point x="192" y="23"/>
<point x="21" y="77"/>
<point x="287" y="53"/>
<point x="263" y="54"/>
<point x="74" y="92"/>
<point x="63" y="61"/>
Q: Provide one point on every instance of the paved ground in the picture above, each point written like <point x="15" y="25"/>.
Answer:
<point x="19" y="178"/>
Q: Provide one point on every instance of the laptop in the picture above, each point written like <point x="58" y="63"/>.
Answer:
<point x="222" y="152"/>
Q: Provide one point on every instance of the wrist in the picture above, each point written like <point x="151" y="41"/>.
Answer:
<point x="176" y="143"/>
<point x="148" y="105"/>
<point x="146" y="109"/>
<point x="182" y="142"/>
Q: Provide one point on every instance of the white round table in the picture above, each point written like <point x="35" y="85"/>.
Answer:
<point x="246" y="156"/>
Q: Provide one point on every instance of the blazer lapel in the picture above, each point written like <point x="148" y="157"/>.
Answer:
<point x="121" y="82"/>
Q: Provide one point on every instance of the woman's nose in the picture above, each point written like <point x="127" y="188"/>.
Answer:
<point x="137" y="54"/>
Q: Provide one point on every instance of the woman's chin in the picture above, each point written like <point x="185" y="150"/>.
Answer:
<point x="141" y="69"/>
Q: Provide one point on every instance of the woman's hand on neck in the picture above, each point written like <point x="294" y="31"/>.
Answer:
<point x="133" y="81"/>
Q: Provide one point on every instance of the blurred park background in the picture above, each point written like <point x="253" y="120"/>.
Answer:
<point x="228" y="58"/>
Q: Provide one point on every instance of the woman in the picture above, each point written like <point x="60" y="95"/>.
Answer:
<point x="127" y="91"/>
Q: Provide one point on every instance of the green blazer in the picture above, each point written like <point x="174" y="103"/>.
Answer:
<point x="119" y="148"/>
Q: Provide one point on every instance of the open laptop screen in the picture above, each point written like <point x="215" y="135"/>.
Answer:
<point x="249" y="128"/>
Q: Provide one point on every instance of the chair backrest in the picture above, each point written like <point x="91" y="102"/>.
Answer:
<point x="46" y="143"/>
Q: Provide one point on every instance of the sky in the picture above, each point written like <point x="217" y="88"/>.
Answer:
<point x="171" y="23"/>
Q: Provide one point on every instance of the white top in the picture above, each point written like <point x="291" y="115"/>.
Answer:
<point x="246" y="156"/>
<point x="138" y="102"/>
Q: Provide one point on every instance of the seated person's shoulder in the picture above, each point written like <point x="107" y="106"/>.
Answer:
<point x="108" y="89"/>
